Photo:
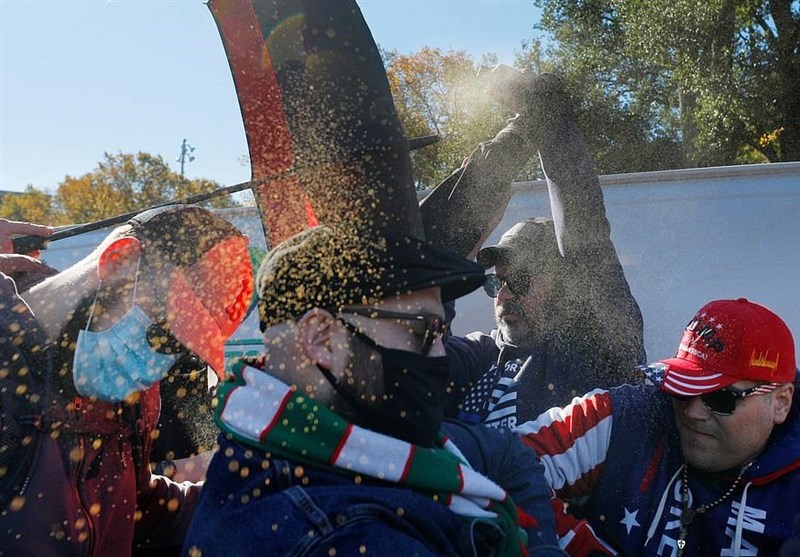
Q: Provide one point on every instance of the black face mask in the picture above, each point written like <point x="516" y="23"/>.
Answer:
<point x="407" y="404"/>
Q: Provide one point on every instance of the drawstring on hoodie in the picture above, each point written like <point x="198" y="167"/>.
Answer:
<point x="688" y="514"/>
<point x="737" y="541"/>
<point x="660" y="511"/>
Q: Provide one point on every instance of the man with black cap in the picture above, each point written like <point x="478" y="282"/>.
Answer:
<point x="566" y="319"/>
<point x="705" y="462"/>
<point x="331" y="441"/>
<point x="82" y="355"/>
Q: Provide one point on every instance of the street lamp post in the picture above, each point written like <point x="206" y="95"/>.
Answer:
<point x="186" y="155"/>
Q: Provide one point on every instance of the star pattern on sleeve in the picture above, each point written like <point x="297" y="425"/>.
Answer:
<point x="630" y="519"/>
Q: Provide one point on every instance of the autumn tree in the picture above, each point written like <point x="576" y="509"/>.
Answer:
<point x="438" y="93"/>
<point x="126" y="182"/>
<point x="32" y="205"/>
<point x="121" y="183"/>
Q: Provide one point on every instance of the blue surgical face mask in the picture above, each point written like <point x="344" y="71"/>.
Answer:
<point x="111" y="365"/>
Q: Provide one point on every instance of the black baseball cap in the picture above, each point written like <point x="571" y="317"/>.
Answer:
<point x="331" y="267"/>
<point x="526" y="242"/>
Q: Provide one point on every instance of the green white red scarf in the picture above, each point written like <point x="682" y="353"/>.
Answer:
<point x="262" y="412"/>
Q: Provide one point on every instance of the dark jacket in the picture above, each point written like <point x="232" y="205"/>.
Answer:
<point x="595" y="335"/>
<point x="483" y="368"/>
<point x="256" y="505"/>
<point x="80" y="482"/>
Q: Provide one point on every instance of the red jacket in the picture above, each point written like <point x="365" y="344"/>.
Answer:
<point x="84" y="485"/>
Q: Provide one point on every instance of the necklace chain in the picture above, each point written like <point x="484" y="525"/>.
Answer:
<point x="688" y="515"/>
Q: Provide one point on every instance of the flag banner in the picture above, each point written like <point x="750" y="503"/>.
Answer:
<point x="325" y="142"/>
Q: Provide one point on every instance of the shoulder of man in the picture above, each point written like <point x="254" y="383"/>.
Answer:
<point x="474" y="345"/>
<point x="470" y="356"/>
<point x="22" y="344"/>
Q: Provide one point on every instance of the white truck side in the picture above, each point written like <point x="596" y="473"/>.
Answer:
<point x="684" y="237"/>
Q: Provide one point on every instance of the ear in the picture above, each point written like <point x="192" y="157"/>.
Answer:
<point x="318" y="333"/>
<point x="117" y="255"/>
<point x="783" y="402"/>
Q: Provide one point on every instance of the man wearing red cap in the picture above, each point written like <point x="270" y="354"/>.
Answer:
<point x="704" y="462"/>
<point x="82" y="355"/>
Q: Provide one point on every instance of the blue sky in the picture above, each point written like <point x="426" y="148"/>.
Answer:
<point x="80" y="78"/>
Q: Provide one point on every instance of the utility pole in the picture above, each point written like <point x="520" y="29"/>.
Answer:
<point x="186" y="155"/>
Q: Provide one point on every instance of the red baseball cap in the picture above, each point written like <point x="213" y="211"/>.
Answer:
<point x="729" y="341"/>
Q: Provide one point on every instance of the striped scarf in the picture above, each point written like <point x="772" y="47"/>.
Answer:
<point x="260" y="411"/>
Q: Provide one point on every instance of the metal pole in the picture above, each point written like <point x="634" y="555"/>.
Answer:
<point x="186" y="151"/>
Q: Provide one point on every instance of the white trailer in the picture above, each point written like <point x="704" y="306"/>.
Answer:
<point x="684" y="237"/>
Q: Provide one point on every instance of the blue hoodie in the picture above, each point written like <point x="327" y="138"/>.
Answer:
<point x="256" y="505"/>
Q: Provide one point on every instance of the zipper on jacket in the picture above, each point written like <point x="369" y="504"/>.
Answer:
<point x="121" y="451"/>
<point x="86" y="516"/>
<point x="37" y="423"/>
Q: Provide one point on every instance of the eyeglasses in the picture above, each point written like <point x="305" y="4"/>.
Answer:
<point x="723" y="402"/>
<point x="518" y="283"/>
<point x="435" y="325"/>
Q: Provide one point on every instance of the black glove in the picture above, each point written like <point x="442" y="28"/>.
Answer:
<point x="539" y="99"/>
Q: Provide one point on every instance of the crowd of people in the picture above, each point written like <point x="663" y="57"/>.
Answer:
<point x="366" y="427"/>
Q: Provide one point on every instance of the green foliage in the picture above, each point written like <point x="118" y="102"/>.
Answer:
<point x="680" y="82"/>
<point x="657" y="85"/>
<point x="438" y="93"/>
<point x="121" y="183"/>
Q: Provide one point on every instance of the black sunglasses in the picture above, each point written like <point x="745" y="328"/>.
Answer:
<point x="723" y="402"/>
<point x="435" y="325"/>
<point x="518" y="283"/>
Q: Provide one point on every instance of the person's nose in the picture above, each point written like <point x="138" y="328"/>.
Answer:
<point x="505" y="292"/>
<point x="695" y="409"/>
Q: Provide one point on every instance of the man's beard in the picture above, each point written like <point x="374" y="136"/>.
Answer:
<point x="524" y="328"/>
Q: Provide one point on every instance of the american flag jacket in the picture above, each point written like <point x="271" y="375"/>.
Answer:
<point x="501" y="385"/>
<point x="619" y="450"/>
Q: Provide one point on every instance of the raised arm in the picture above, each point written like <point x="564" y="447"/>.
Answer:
<point x="464" y="209"/>
<point x="576" y="201"/>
